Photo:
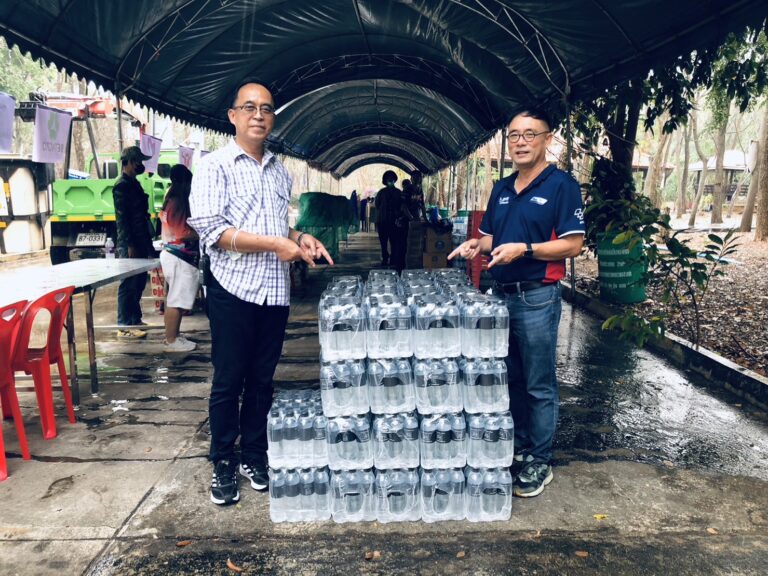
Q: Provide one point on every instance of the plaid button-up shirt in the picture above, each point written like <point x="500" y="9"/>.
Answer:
<point x="229" y="189"/>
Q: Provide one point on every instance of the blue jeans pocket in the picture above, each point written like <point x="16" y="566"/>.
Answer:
<point x="540" y="297"/>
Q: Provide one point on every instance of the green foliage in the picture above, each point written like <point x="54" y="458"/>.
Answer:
<point x="682" y="277"/>
<point x="613" y="207"/>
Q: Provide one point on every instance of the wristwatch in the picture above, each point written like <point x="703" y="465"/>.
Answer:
<point x="528" y="250"/>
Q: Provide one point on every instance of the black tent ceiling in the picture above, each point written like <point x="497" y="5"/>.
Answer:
<point x="418" y="83"/>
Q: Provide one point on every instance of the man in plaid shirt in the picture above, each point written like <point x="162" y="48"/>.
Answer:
<point x="239" y="206"/>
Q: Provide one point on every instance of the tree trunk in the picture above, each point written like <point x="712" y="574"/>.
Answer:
<point x="655" y="170"/>
<point x="718" y="196"/>
<point x="488" y="184"/>
<point x="704" y="171"/>
<point x="461" y="185"/>
<point x="622" y="132"/>
<point x="749" y="207"/>
<point x="761" y="228"/>
<point x="683" y="185"/>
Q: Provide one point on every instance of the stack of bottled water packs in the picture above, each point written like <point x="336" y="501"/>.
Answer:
<point x="414" y="422"/>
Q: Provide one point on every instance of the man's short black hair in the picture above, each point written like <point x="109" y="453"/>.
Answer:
<point x="233" y="97"/>
<point x="537" y="114"/>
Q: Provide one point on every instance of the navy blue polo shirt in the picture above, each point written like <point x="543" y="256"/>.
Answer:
<point x="548" y="208"/>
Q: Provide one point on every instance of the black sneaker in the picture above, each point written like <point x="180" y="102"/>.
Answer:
<point x="257" y="474"/>
<point x="224" y="483"/>
<point x="531" y="481"/>
<point x="520" y="461"/>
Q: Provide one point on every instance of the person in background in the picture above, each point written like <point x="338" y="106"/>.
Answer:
<point x="179" y="258"/>
<point x="239" y="204"/>
<point x="533" y="222"/>
<point x="364" y="214"/>
<point x="354" y="204"/>
<point x="414" y="196"/>
<point x="134" y="239"/>
<point x="388" y="209"/>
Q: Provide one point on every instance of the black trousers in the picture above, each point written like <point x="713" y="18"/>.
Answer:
<point x="246" y="342"/>
<point x="386" y="232"/>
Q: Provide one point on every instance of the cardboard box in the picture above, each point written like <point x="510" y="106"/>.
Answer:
<point x="432" y="260"/>
<point x="437" y="243"/>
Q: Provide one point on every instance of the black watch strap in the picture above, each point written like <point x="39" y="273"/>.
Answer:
<point x="528" y="250"/>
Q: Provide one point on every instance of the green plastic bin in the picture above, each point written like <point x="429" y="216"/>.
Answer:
<point x="621" y="271"/>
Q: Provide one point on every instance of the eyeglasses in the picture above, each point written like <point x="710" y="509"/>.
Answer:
<point x="528" y="136"/>
<point x="250" y="109"/>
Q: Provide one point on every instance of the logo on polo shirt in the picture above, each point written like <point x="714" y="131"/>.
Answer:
<point x="539" y="200"/>
<point x="579" y="213"/>
<point x="503" y="200"/>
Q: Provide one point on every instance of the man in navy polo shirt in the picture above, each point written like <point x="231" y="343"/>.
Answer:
<point x="532" y="224"/>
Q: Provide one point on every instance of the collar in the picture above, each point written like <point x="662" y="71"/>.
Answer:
<point x="234" y="151"/>
<point x="536" y="181"/>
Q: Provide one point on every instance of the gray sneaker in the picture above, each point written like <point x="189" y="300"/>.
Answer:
<point x="531" y="481"/>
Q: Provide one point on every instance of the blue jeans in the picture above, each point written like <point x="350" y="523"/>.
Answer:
<point x="534" y="399"/>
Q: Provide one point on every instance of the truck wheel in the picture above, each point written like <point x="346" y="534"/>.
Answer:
<point x="59" y="254"/>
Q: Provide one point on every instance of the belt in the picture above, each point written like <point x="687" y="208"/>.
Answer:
<point x="518" y="287"/>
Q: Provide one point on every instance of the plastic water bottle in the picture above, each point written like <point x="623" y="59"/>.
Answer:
<point x="307" y="503"/>
<point x="458" y="440"/>
<point x="443" y="443"/>
<point x="458" y="491"/>
<point x="276" y="495"/>
<point x="428" y="487"/>
<point x="320" y="444"/>
<point x="109" y="248"/>
<point x="290" y="451"/>
<point x="411" y="452"/>
<point x="474" y="496"/>
<point x="428" y="436"/>
<point x="507" y="439"/>
<point x="292" y="506"/>
<point x="275" y="438"/>
<point x="306" y="437"/>
<point x="491" y="442"/>
<point x="322" y="494"/>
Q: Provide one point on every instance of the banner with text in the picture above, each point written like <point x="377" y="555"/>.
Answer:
<point x="150" y="145"/>
<point x="51" y="135"/>
<point x="7" y="110"/>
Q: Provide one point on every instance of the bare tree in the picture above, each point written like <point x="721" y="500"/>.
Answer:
<point x="749" y="207"/>
<point x="718" y="195"/>
<point x="683" y="184"/>
<point x="653" y="180"/>
<point x="704" y="171"/>
<point x="761" y="228"/>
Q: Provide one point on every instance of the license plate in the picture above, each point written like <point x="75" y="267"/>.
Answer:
<point x="91" y="239"/>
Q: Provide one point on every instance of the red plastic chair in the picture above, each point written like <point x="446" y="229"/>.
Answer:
<point x="37" y="361"/>
<point x="10" y="316"/>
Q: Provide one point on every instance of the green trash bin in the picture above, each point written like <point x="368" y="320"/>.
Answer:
<point x="620" y="271"/>
<point x="444" y="213"/>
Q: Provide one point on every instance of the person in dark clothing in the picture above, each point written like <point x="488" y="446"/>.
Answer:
<point x="364" y="215"/>
<point x="388" y="209"/>
<point x="134" y="238"/>
<point x="414" y="196"/>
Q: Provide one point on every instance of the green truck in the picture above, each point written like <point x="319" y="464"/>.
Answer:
<point x="83" y="213"/>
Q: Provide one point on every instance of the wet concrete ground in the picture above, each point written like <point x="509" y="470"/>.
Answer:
<point x="675" y="470"/>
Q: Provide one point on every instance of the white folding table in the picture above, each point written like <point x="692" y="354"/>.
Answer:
<point x="86" y="276"/>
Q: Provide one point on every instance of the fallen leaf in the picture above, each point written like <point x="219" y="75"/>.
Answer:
<point x="148" y="449"/>
<point x="599" y="516"/>
<point x="376" y="555"/>
<point x="233" y="566"/>
<point x="461" y="554"/>
<point x="538" y="534"/>
<point x="712" y="531"/>
<point x="369" y="555"/>
<point x="183" y="543"/>
<point x="582" y="553"/>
